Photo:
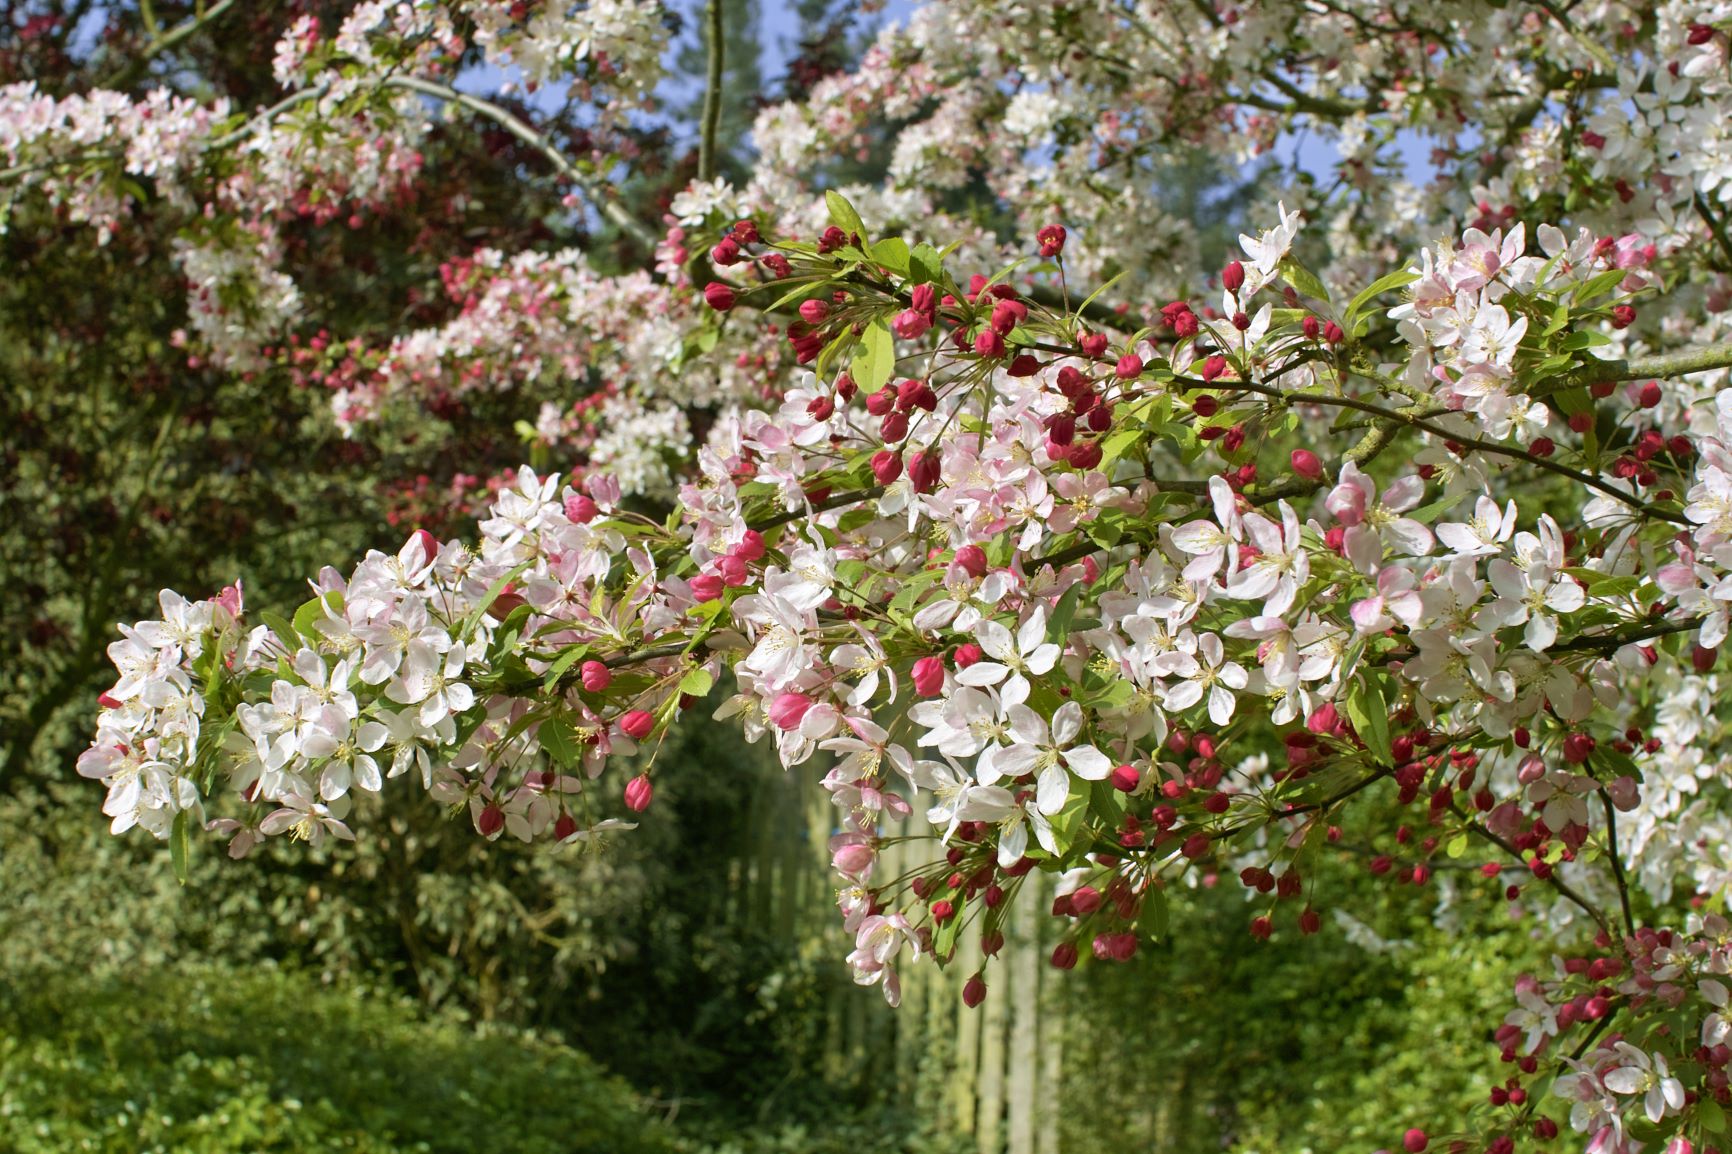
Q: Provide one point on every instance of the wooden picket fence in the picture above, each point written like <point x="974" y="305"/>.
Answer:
<point x="994" y="1071"/>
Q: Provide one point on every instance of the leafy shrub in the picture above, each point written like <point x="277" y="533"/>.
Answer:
<point x="205" y="1060"/>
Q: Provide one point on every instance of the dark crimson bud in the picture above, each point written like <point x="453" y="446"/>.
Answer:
<point x="923" y="471"/>
<point x="1233" y="277"/>
<point x="719" y="296"/>
<point x="886" y="466"/>
<point x="726" y="252"/>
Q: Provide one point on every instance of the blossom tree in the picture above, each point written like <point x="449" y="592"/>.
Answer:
<point x="1117" y="566"/>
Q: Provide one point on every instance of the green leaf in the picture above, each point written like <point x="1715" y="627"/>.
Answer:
<point x="1155" y="913"/>
<point x="1092" y="297"/>
<point x="1369" y="712"/>
<point x="308" y="616"/>
<point x="1599" y="285"/>
<point x="925" y="266"/>
<point x="568" y="657"/>
<point x="1376" y="288"/>
<point x="286" y="633"/>
<point x="1058" y="625"/>
<point x="493" y="593"/>
<point x="1303" y="280"/>
<point x="1425" y="515"/>
<point x="842" y="214"/>
<point x="559" y="740"/>
<point x="892" y="253"/>
<point x="1711" y="1117"/>
<point x="944" y="934"/>
<point x="180" y="844"/>
<point x="697" y="682"/>
<point x="875" y="358"/>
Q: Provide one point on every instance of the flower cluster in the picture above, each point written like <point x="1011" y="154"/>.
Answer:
<point x="1196" y="573"/>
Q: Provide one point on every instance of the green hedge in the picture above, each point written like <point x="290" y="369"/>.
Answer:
<point x="209" y="1061"/>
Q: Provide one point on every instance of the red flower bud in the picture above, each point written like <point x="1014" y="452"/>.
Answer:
<point x="1093" y="345"/>
<point x="814" y="312"/>
<point x="637" y="724"/>
<point x="1414" y="1141"/>
<point x="751" y="546"/>
<point x="706" y="586"/>
<point x="974" y="991"/>
<point x="1649" y="396"/>
<point x="1086" y="455"/>
<point x="719" y="296"/>
<point x="910" y="324"/>
<point x="639" y="793"/>
<point x="726" y="252"/>
<point x="490" y="821"/>
<point x="1126" y="778"/>
<point x="1578" y="747"/>
<point x="989" y="344"/>
<point x="1233" y="277"/>
<point x="923" y="471"/>
<point x="1214" y="367"/>
<point x="929" y="676"/>
<point x="596" y="677"/>
<point x="1206" y="406"/>
<point x="972" y="560"/>
<point x="967" y="654"/>
<point x="886" y="465"/>
<point x="916" y="394"/>
<point x="1307" y="465"/>
<point x="1130" y="366"/>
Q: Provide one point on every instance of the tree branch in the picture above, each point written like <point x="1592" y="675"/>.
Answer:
<point x="603" y="198"/>
<point x="712" y="93"/>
